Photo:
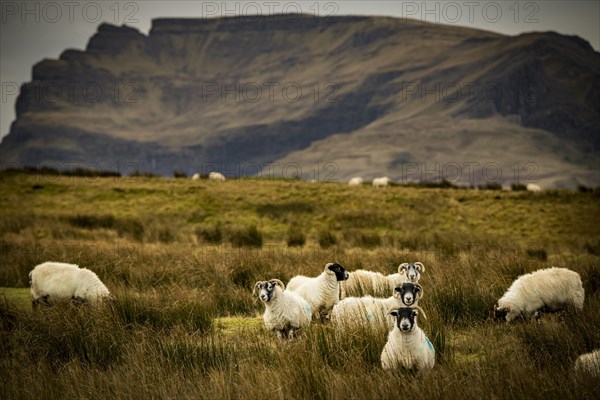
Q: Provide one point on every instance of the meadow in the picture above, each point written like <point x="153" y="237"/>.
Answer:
<point x="182" y="257"/>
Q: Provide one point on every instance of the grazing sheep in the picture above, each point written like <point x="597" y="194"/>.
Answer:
<point x="374" y="311"/>
<point x="589" y="363"/>
<point x="356" y="181"/>
<point x="196" y="177"/>
<point x="286" y="313"/>
<point x="550" y="288"/>
<point x="407" y="346"/>
<point x="363" y="282"/>
<point x="321" y="292"/>
<point x="216" y="176"/>
<point x="53" y="282"/>
<point x="381" y="182"/>
<point x="532" y="187"/>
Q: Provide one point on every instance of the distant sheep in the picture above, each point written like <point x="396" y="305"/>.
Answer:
<point x="589" y="363"/>
<point x="532" y="187"/>
<point x="356" y="181"/>
<point x="407" y="346"/>
<point x="363" y="282"/>
<point x="550" y="288"/>
<point x="381" y="182"/>
<point x="53" y="282"/>
<point x="286" y="313"/>
<point x="321" y="292"/>
<point x="216" y="176"/>
<point x="196" y="177"/>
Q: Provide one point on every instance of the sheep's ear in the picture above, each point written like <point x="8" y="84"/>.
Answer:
<point x="420" y="266"/>
<point x="419" y="289"/>
<point x="256" y="285"/>
<point x="278" y="283"/>
<point x="394" y="313"/>
<point x="402" y="267"/>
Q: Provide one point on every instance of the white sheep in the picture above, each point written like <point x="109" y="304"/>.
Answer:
<point x="286" y="313"/>
<point x="216" y="176"/>
<point x="407" y="345"/>
<point x="550" y="288"/>
<point x="196" y="177"/>
<point x="589" y="363"/>
<point x="53" y="282"/>
<point x="356" y="181"/>
<point x="373" y="311"/>
<point x="532" y="187"/>
<point x="321" y="292"/>
<point x="381" y="182"/>
<point x="363" y="282"/>
<point x="409" y="272"/>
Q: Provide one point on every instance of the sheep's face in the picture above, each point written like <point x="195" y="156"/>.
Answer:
<point x="340" y="272"/>
<point x="408" y="293"/>
<point x="411" y="270"/>
<point x="406" y="318"/>
<point x="265" y="290"/>
<point x="501" y="313"/>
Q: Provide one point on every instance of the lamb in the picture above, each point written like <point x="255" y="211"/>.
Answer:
<point x="196" y="177"/>
<point x="321" y="292"/>
<point x="373" y="311"/>
<point x="589" y="363"/>
<point x="381" y="182"/>
<point x="356" y="181"/>
<point x="216" y="176"/>
<point x="53" y="282"/>
<point x="407" y="345"/>
<point x="363" y="282"/>
<point x="550" y="288"/>
<point x="286" y="313"/>
<point x="532" y="187"/>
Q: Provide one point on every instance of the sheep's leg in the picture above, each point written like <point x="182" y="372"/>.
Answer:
<point x="35" y="303"/>
<point x="538" y="316"/>
<point x="46" y="301"/>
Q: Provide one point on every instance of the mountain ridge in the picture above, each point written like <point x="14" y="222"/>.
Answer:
<point x="200" y="92"/>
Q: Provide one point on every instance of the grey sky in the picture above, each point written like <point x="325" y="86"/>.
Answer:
<point x="31" y="31"/>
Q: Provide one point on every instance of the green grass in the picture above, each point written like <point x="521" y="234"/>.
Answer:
<point x="182" y="258"/>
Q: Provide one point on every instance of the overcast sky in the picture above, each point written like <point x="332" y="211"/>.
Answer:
<point x="31" y="31"/>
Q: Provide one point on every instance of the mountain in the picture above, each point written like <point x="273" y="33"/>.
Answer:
<point x="333" y="97"/>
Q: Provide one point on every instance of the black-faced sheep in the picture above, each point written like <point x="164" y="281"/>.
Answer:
<point x="286" y="313"/>
<point x="321" y="292"/>
<point x="545" y="289"/>
<point x="407" y="345"/>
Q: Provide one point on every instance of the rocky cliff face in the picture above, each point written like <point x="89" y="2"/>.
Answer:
<point x="198" y="94"/>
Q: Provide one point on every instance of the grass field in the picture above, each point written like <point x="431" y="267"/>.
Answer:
<point x="181" y="258"/>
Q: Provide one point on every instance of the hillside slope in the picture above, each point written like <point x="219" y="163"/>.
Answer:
<point x="236" y="94"/>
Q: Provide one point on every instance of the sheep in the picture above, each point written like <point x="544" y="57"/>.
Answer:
<point x="216" y="176"/>
<point x="363" y="282"/>
<point x="356" y="181"/>
<point x="321" y="292"/>
<point x="589" y="363"/>
<point x="196" y="177"/>
<point x="407" y="345"/>
<point x="286" y="313"/>
<point x="532" y="187"/>
<point x="381" y="182"/>
<point x="373" y="311"/>
<point x="409" y="272"/>
<point x="550" y="288"/>
<point x="53" y="282"/>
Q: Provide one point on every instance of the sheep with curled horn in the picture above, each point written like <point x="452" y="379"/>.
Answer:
<point x="286" y="313"/>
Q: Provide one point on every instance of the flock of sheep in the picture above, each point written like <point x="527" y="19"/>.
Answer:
<point x="290" y="309"/>
<point x="384" y="181"/>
